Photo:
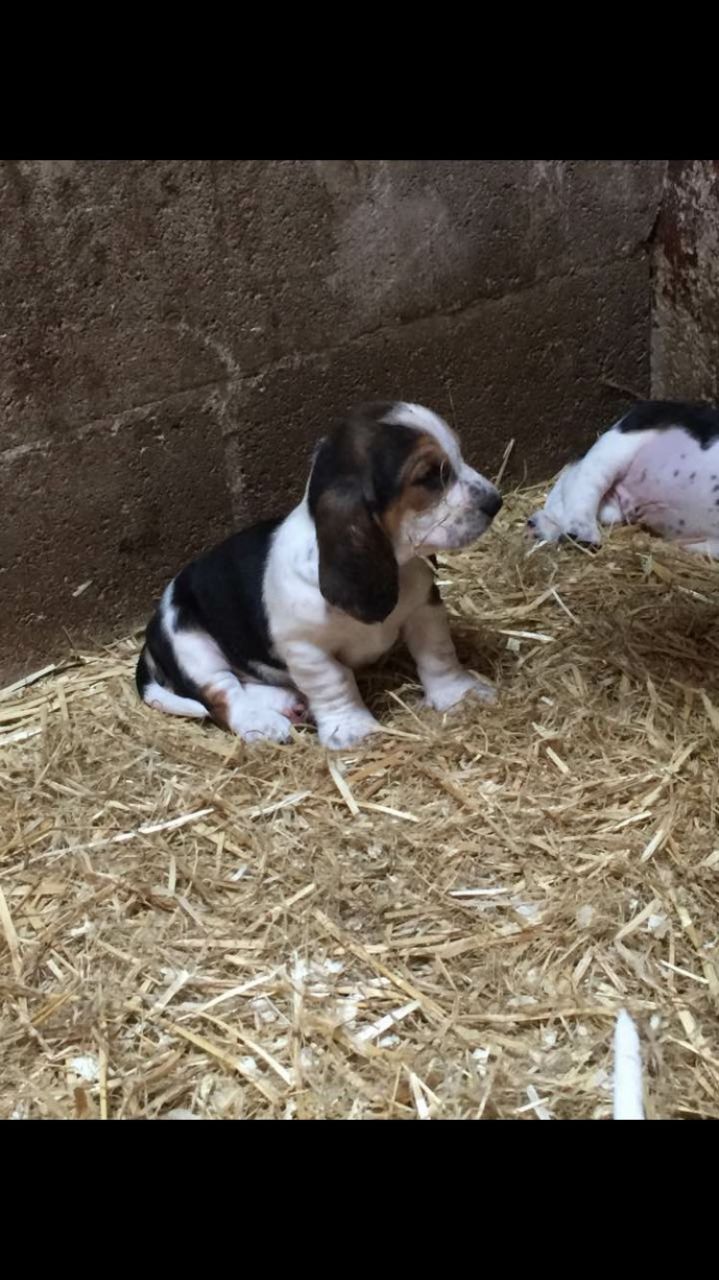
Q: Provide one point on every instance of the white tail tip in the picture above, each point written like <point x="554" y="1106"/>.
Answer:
<point x="628" y="1089"/>
<point x="161" y="699"/>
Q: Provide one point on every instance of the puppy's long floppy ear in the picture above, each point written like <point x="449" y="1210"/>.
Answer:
<point x="358" y="569"/>
<point x="357" y="566"/>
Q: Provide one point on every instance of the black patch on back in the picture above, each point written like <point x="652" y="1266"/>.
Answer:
<point x="143" y="675"/>
<point x="220" y="593"/>
<point x="168" y="673"/>
<point x="701" y="421"/>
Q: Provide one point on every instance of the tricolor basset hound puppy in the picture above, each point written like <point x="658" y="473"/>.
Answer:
<point x="657" y="466"/>
<point x="274" y="621"/>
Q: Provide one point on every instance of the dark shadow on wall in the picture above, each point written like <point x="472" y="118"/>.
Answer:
<point x="685" y="261"/>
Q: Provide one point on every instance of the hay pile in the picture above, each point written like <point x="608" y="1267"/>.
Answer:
<point x="443" y="924"/>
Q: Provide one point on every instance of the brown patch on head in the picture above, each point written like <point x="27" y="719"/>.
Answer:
<point x="421" y="483"/>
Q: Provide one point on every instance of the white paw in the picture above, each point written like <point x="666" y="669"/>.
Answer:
<point x="584" y="530"/>
<point x="287" y="702"/>
<point x="541" y="528"/>
<point x="338" y="734"/>
<point x="544" y="528"/>
<point x="261" y="725"/>
<point x="442" y="696"/>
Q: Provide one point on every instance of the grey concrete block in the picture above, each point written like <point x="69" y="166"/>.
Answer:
<point x="537" y="366"/>
<point x="123" y="506"/>
<point x="123" y="282"/>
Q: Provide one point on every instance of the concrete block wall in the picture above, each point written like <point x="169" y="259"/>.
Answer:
<point x="174" y="335"/>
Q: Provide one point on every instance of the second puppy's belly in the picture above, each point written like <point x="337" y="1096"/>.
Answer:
<point x="672" y="486"/>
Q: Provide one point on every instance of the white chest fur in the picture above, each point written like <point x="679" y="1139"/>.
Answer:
<point x="296" y="610"/>
<point x="356" y="644"/>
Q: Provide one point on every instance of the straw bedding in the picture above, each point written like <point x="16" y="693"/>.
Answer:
<point x="442" y="924"/>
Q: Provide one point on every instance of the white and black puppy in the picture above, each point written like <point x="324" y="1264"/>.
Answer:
<point x="657" y="466"/>
<point x="275" y="619"/>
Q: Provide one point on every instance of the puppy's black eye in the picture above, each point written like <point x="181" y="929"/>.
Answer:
<point x="432" y="477"/>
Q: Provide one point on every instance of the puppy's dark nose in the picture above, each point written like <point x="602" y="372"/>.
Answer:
<point x="491" y="504"/>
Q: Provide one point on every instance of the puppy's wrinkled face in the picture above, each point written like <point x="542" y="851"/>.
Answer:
<point x="440" y="503"/>
<point x="389" y="483"/>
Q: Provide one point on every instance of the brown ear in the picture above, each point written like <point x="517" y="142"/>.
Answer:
<point x="358" y="570"/>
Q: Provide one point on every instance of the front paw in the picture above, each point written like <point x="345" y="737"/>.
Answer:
<point x="257" y="725"/>
<point x="541" y="528"/>
<point x="447" y="693"/>
<point x="341" y="732"/>
<point x="584" y="531"/>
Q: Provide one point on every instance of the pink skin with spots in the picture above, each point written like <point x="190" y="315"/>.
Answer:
<point x="662" y="479"/>
<point x="672" y="487"/>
